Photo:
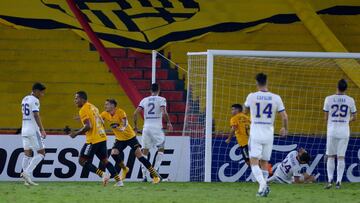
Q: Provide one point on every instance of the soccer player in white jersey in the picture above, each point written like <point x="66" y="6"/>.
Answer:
<point x="32" y="132"/>
<point x="263" y="106"/>
<point x="154" y="108"/>
<point x="339" y="110"/>
<point x="288" y="171"/>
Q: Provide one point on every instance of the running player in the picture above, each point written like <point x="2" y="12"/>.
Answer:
<point x="263" y="106"/>
<point x="93" y="127"/>
<point x="154" y="108"/>
<point x="125" y="136"/>
<point x="32" y="132"/>
<point x="339" y="110"/>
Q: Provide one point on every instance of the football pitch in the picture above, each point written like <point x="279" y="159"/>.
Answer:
<point x="174" y="192"/>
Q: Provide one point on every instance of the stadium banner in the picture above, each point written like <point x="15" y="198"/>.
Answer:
<point x="61" y="160"/>
<point x="228" y="164"/>
<point x="146" y="25"/>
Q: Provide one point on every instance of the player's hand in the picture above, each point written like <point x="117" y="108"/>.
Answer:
<point x="77" y="118"/>
<point x="43" y="134"/>
<point x="136" y="130"/>
<point x="283" y="132"/>
<point x="228" y="140"/>
<point x="170" y="127"/>
<point x="72" y="135"/>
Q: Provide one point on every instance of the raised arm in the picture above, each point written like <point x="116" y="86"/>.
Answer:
<point x="167" y="118"/>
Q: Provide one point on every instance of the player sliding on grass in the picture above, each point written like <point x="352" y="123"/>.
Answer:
<point x="154" y="108"/>
<point x="125" y="136"/>
<point x="95" y="139"/>
<point x="289" y="169"/>
<point x="263" y="106"/>
<point x="240" y="126"/>
<point x="340" y="110"/>
<point x="32" y="132"/>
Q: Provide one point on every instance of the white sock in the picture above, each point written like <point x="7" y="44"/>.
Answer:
<point x="144" y="169"/>
<point x="340" y="169"/>
<point x="258" y="176"/>
<point x="34" y="162"/>
<point x="158" y="160"/>
<point x="265" y="174"/>
<point x="25" y="162"/>
<point x="330" y="166"/>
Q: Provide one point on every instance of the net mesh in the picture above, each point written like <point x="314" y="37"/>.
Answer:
<point x="303" y="84"/>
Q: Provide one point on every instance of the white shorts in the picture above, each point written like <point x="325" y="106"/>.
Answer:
<point x="153" y="137"/>
<point x="260" y="149"/>
<point x="34" y="142"/>
<point x="336" y="146"/>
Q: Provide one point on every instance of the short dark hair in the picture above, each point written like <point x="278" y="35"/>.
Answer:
<point x="237" y="106"/>
<point x="342" y="85"/>
<point x="155" y="87"/>
<point x="38" y="86"/>
<point x="261" y="79"/>
<point x="82" y="95"/>
<point x="112" y="101"/>
<point x="305" y="157"/>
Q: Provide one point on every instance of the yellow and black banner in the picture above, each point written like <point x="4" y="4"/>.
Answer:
<point x="152" y="24"/>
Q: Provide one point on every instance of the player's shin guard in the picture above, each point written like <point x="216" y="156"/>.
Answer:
<point x="112" y="171"/>
<point x="158" y="160"/>
<point x="258" y="176"/>
<point x="25" y="162"/>
<point x="340" y="170"/>
<point x="330" y="167"/>
<point x="33" y="163"/>
<point x="147" y="164"/>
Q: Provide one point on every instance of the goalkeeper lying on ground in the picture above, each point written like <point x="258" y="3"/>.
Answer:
<point x="289" y="169"/>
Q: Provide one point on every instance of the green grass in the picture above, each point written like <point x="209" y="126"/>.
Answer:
<point x="173" y="192"/>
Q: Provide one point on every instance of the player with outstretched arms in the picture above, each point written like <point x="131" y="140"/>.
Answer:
<point x="95" y="144"/>
<point x="154" y="108"/>
<point x="263" y="106"/>
<point x="339" y="110"/>
<point x="289" y="170"/>
<point x="124" y="137"/>
<point x="32" y="132"/>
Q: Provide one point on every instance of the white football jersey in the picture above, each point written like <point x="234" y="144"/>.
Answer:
<point x="288" y="168"/>
<point x="152" y="111"/>
<point x="263" y="108"/>
<point x="29" y="105"/>
<point x="340" y="107"/>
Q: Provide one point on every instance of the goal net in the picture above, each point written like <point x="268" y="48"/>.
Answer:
<point x="217" y="79"/>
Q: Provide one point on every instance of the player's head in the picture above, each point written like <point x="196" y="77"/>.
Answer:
<point x="155" y="89"/>
<point x="342" y="85"/>
<point x="261" y="80"/>
<point x="110" y="105"/>
<point x="38" y="89"/>
<point x="236" y="108"/>
<point x="80" y="98"/>
<point x="303" y="156"/>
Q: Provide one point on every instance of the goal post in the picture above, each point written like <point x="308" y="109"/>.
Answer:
<point x="218" y="78"/>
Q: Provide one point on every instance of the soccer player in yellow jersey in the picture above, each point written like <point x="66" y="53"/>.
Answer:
<point x="125" y="136"/>
<point x="93" y="127"/>
<point x="240" y="125"/>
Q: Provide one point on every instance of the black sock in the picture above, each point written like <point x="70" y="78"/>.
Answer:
<point x="147" y="164"/>
<point x="112" y="171"/>
<point x="89" y="166"/>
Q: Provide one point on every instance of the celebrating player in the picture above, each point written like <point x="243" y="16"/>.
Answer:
<point x="95" y="139"/>
<point x="154" y="108"/>
<point x="289" y="169"/>
<point x="32" y="132"/>
<point x="125" y="136"/>
<point x="339" y="110"/>
<point x="240" y="125"/>
<point x="263" y="105"/>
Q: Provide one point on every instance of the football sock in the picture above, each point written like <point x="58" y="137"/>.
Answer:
<point x="119" y="161"/>
<point x="112" y="171"/>
<point x="340" y="169"/>
<point x="265" y="174"/>
<point x="25" y="162"/>
<point x="158" y="160"/>
<point x="330" y="166"/>
<point x="258" y="176"/>
<point x="98" y="172"/>
<point x="147" y="164"/>
<point x="34" y="162"/>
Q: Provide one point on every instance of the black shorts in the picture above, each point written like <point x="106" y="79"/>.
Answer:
<point x="245" y="152"/>
<point x="99" y="149"/>
<point x="122" y="144"/>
